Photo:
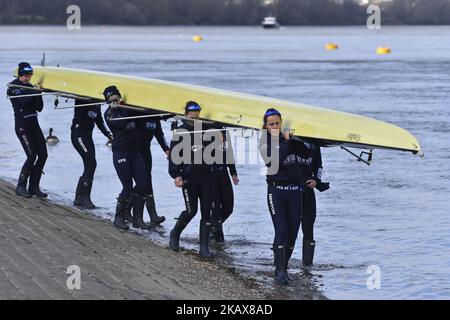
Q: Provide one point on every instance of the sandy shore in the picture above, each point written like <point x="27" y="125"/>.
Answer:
<point x="40" y="239"/>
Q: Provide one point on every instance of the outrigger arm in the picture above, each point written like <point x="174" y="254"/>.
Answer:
<point x="145" y="116"/>
<point x="31" y="95"/>
<point x="78" y="105"/>
<point x="42" y="92"/>
<point x="360" y="157"/>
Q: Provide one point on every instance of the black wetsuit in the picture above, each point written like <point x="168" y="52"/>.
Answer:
<point x="126" y="152"/>
<point x="312" y="170"/>
<point x="147" y="129"/>
<point x="285" y="189"/>
<point x="198" y="178"/>
<point x="27" y="128"/>
<point x="81" y="134"/>
<point x="223" y="199"/>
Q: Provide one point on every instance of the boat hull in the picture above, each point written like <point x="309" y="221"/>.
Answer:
<point x="270" y="26"/>
<point x="325" y="126"/>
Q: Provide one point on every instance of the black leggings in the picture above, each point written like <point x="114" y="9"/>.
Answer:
<point x="83" y="143"/>
<point x="285" y="206"/>
<point x="223" y="196"/>
<point x="195" y="189"/>
<point x="147" y="157"/>
<point x="129" y="166"/>
<point x="308" y="214"/>
<point x="33" y="142"/>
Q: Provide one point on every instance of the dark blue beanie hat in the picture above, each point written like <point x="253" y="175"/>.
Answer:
<point x="24" y="68"/>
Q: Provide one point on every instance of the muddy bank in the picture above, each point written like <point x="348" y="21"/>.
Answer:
<point x="40" y="239"/>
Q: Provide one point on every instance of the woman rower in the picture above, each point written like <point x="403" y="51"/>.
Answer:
<point x="28" y="131"/>
<point x="127" y="161"/>
<point x="149" y="128"/>
<point x="285" y="182"/>
<point x="84" y="119"/>
<point x="194" y="177"/>
<point x="223" y="196"/>
<point x="313" y="173"/>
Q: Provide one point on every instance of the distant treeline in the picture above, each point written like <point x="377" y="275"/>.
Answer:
<point x="222" y="12"/>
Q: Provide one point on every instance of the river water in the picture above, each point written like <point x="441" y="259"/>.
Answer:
<point x="391" y="217"/>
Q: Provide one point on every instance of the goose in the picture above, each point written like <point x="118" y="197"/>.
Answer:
<point x="51" y="139"/>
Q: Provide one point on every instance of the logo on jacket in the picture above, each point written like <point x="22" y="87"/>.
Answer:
<point x="150" y="125"/>
<point x="293" y="158"/>
<point x="197" y="147"/>
<point x="92" y="114"/>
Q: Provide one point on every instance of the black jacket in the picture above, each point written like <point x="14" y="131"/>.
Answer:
<point x="188" y="170"/>
<point x="25" y="107"/>
<point x="149" y="128"/>
<point x="313" y="164"/>
<point x="292" y="155"/>
<point x="86" y="117"/>
<point x="228" y="156"/>
<point x="125" y="132"/>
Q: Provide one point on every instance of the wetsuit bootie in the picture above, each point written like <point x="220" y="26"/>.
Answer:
<point x="35" y="180"/>
<point x="127" y="209"/>
<point x="281" y="275"/>
<point x="86" y="201"/>
<point x="217" y="232"/>
<point x="289" y="251"/>
<point x="175" y="233"/>
<point x="151" y="209"/>
<point x="78" y="193"/>
<point x="308" y="252"/>
<point x="138" y="213"/>
<point x="205" y="229"/>
<point x="119" y="221"/>
<point x="21" y="189"/>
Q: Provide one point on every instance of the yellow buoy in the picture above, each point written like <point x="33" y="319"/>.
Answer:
<point x="197" y="38"/>
<point x="383" y="50"/>
<point x="331" y="46"/>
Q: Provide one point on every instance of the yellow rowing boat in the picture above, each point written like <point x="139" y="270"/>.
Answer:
<point x="328" y="127"/>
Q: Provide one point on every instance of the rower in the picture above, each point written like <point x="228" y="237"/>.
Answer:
<point x="127" y="161"/>
<point x="312" y="168"/>
<point x="285" y="186"/>
<point x="195" y="180"/>
<point x="28" y="131"/>
<point x="148" y="128"/>
<point x="223" y="200"/>
<point x="85" y="118"/>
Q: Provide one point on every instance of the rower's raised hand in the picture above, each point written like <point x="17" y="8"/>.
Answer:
<point x="178" y="182"/>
